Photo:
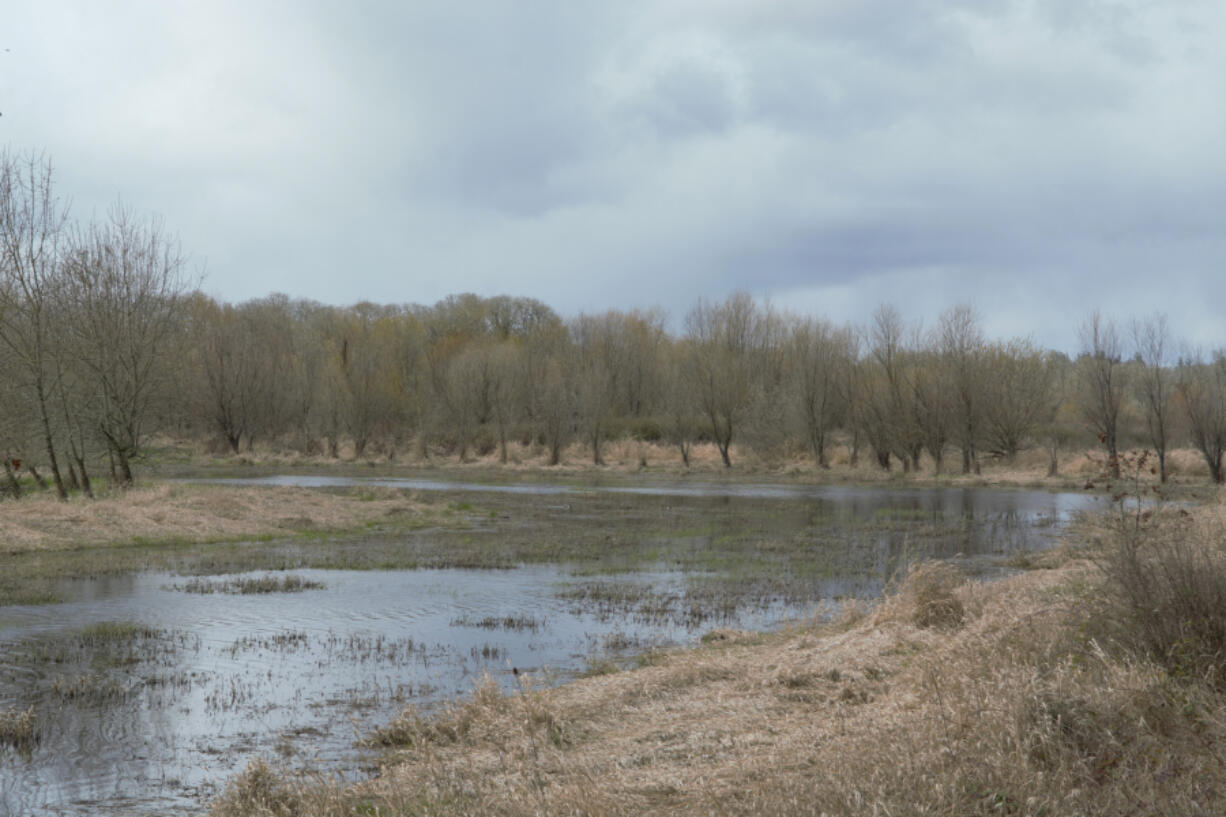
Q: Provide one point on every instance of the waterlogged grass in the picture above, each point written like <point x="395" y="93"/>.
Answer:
<point x="19" y="730"/>
<point x="100" y="646"/>
<point x="515" y="623"/>
<point x="269" y="583"/>
<point x="733" y="551"/>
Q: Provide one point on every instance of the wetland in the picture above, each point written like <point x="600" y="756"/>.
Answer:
<point x="148" y="674"/>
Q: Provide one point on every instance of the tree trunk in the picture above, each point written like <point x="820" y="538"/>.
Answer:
<point x="42" y="483"/>
<point x="125" y="469"/>
<point x="596" y="458"/>
<point x="73" y="483"/>
<point x="1215" y="468"/>
<point x="14" y="485"/>
<point x="85" y="485"/>
<point x="60" y="490"/>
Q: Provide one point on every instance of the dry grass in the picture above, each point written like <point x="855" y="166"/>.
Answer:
<point x="19" y="729"/>
<point x="951" y="698"/>
<point x="189" y="513"/>
<point x="628" y="456"/>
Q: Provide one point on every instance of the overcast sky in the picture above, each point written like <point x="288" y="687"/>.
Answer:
<point x="1036" y="159"/>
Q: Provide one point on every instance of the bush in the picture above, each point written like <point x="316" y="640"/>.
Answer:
<point x="1164" y="593"/>
<point x="930" y="591"/>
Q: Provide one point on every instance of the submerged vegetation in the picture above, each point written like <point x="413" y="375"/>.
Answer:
<point x="269" y="583"/>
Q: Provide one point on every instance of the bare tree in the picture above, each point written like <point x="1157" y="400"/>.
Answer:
<point x="1103" y="383"/>
<point x="1202" y="389"/>
<point x="32" y="224"/>
<point x="932" y="408"/>
<point x="888" y="417"/>
<point x="818" y="353"/>
<point x="1015" y="395"/>
<point x="593" y="339"/>
<point x="728" y="342"/>
<point x="557" y="405"/>
<point x="961" y="345"/>
<point x="681" y="424"/>
<point x="506" y="371"/>
<point x="1152" y="340"/>
<point x="126" y="285"/>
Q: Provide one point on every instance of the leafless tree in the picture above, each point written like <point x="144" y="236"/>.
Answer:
<point x="728" y="343"/>
<point x="1103" y="383"/>
<point x="32" y="226"/>
<point x="818" y="354"/>
<point x="1202" y="389"/>
<point x="961" y="345"/>
<point x="1152" y="340"/>
<point x="1015" y="395"/>
<point x="126" y="282"/>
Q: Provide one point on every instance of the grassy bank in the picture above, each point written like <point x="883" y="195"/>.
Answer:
<point x="1091" y="686"/>
<point x="195" y="529"/>
<point x="176" y="513"/>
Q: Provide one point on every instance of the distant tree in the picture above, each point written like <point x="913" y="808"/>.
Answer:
<point x="1152" y="341"/>
<point x="32" y="228"/>
<point x="1202" y="390"/>
<point x="1015" y="395"/>
<point x="557" y="405"/>
<point x="818" y="354"/>
<point x="1103" y="383"/>
<point x="127" y="282"/>
<point x="961" y="346"/>
<point x="595" y="366"/>
<point x="728" y="342"/>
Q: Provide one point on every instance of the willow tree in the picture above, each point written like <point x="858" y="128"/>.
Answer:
<point x="1152" y="339"/>
<point x="125" y="281"/>
<point x="728" y="343"/>
<point x="1202" y="390"/>
<point x="817" y="355"/>
<point x="1103" y="383"/>
<point x="32" y="229"/>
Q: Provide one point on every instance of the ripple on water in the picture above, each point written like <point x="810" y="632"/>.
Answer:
<point x="236" y="676"/>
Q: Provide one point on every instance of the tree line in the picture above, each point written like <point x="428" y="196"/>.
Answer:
<point x="103" y="341"/>
<point x="472" y="374"/>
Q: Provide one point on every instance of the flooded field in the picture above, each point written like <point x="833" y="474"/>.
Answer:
<point x="164" y="670"/>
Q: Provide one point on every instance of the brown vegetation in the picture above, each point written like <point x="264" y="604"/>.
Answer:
<point x="191" y="513"/>
<point x="1026" y="696"/>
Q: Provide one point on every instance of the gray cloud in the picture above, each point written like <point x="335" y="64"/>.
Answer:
<point x="1036" y="157"/>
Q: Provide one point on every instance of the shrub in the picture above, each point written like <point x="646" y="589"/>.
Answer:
<point x="930" y="592"/>
<point x="1164" y="593"/>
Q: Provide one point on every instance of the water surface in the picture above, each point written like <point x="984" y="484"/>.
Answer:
<point x="155" y="726"/>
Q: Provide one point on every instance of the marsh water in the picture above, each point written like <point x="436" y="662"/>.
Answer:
<point x="150" y="689"/>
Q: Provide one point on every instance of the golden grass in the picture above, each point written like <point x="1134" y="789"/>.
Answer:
<point x="997" y="703"/>
<point x="189" y="513"/>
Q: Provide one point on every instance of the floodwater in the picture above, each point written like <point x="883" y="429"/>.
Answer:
<point x="158" y="723"/>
